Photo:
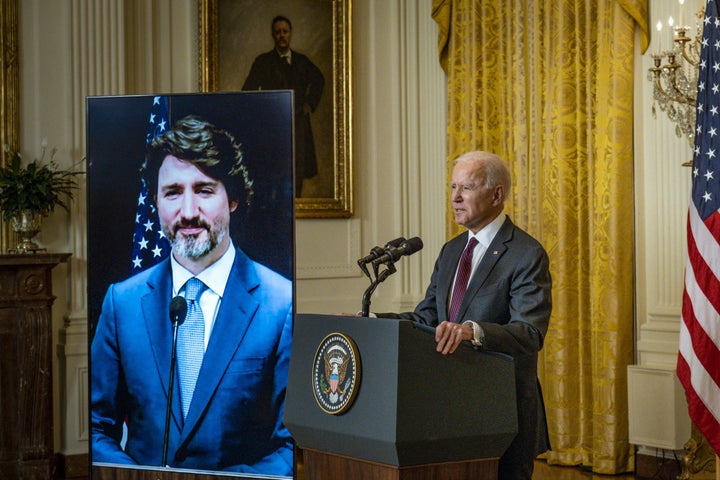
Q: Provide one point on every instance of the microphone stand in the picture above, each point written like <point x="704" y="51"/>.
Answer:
<point x="379" y="278"/>
<point x="364" y="269"/>
<point x="171" y="389"/>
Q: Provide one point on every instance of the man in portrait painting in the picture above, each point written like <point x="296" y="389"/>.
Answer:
<point x="285" y="69"/>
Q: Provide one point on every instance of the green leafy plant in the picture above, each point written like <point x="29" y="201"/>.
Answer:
<point x="37" y="186"/>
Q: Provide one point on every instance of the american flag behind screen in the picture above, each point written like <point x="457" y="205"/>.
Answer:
<point x="149" y="242"/>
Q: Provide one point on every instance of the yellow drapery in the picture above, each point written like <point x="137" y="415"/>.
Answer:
<point x="549" y="87"/>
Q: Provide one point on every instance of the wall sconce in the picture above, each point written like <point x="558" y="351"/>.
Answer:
<point x="674" y="76"/>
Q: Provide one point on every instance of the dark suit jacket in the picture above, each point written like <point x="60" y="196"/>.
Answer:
<point x="270" y="71"/>
<point x="235" y="420"/>
<point x="509" y="296"/>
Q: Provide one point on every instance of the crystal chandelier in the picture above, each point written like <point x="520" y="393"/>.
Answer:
<point x="674" y="76"/>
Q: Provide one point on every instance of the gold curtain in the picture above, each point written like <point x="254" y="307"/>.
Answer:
<point x="549" y="87"/>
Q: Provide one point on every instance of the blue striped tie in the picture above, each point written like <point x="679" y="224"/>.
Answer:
<point x="191" y="343"/>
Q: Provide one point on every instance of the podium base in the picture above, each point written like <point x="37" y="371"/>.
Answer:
<point x="316" y="465"/>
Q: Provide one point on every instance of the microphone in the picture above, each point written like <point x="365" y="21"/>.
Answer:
<point x="392" y="254"/>
<point x="178" y="312"/>
<point x="376" y="252"/>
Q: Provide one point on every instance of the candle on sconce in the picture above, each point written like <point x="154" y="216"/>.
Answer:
<point x="671" y="22"/>
<point x="682" y="3"/>
<point x="674" y="69"/>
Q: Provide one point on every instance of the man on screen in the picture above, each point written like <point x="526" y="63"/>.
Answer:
<point x="233" y="347"/>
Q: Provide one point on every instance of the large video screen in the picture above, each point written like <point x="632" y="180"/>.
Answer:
<point x="190" y="281"/>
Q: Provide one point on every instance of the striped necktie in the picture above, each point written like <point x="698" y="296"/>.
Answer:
<point x="461" y="281"/>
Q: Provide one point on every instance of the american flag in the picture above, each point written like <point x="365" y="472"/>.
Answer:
<point x="698" y="365"/>
<point x="149" y="242"/>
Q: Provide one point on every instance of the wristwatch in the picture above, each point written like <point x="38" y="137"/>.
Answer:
<point x="478" y="334"/>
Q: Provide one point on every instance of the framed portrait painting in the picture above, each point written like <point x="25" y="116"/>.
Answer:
<point x="244" y="45"/>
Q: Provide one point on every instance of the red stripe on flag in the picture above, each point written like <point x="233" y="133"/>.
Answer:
<point x="701" y="272"/>
<point x="703" y="419"/>
<point x="705" y="349"/>
<point x="698" y="366"/>
<point x="712" y="223"/>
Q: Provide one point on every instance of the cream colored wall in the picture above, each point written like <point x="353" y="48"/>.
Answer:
<point x="73" y="48"/>
<point x="399" y="151"/>
<point x="662" y="196"/>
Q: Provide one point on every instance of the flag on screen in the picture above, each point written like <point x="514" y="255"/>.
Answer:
<point x="149" y="242"/>
<point x="698" y="365"/>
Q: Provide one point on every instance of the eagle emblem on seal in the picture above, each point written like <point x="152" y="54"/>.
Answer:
<point x="336" y="362"/>
<point x="336" y="373"/>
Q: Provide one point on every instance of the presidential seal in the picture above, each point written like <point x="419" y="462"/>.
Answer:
<point x="336" y="373"/>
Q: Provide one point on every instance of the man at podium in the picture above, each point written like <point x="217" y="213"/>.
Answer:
<point x="491" y="286"/>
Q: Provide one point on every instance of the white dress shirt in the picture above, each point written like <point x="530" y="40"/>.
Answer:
<point x="484" y="238"/>
<point x="215" y="277"/>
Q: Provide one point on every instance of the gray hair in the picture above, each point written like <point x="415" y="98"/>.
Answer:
<point x="496" y="170"/>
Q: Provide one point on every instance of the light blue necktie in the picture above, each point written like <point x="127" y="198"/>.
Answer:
<point x="191" y="343"/>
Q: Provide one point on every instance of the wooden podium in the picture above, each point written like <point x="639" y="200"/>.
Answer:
<point x="317" y="465"/>
<point x="417" y="414"/>
<point x="26" y="402"/>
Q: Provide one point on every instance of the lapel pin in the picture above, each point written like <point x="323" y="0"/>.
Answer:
<point x="495" y="252"/>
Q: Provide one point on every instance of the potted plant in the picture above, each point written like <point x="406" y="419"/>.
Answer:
<point x="32" y="191"/>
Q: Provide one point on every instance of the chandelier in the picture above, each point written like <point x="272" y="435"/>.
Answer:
<point x="674" y="76"/>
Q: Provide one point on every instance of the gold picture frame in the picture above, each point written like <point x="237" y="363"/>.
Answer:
<point x="9" y="97"/>
<point x="233" y="32"/>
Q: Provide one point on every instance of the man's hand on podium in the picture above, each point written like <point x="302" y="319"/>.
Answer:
<point x="448" y="336"/>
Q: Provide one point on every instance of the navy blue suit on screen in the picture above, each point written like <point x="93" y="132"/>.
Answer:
<point x="235" y="419"/>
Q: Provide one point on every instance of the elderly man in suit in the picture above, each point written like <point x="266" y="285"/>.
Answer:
<point x="233" y="347"/>
<point x="283" y="68"/>
<point x="491" y="286"/>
